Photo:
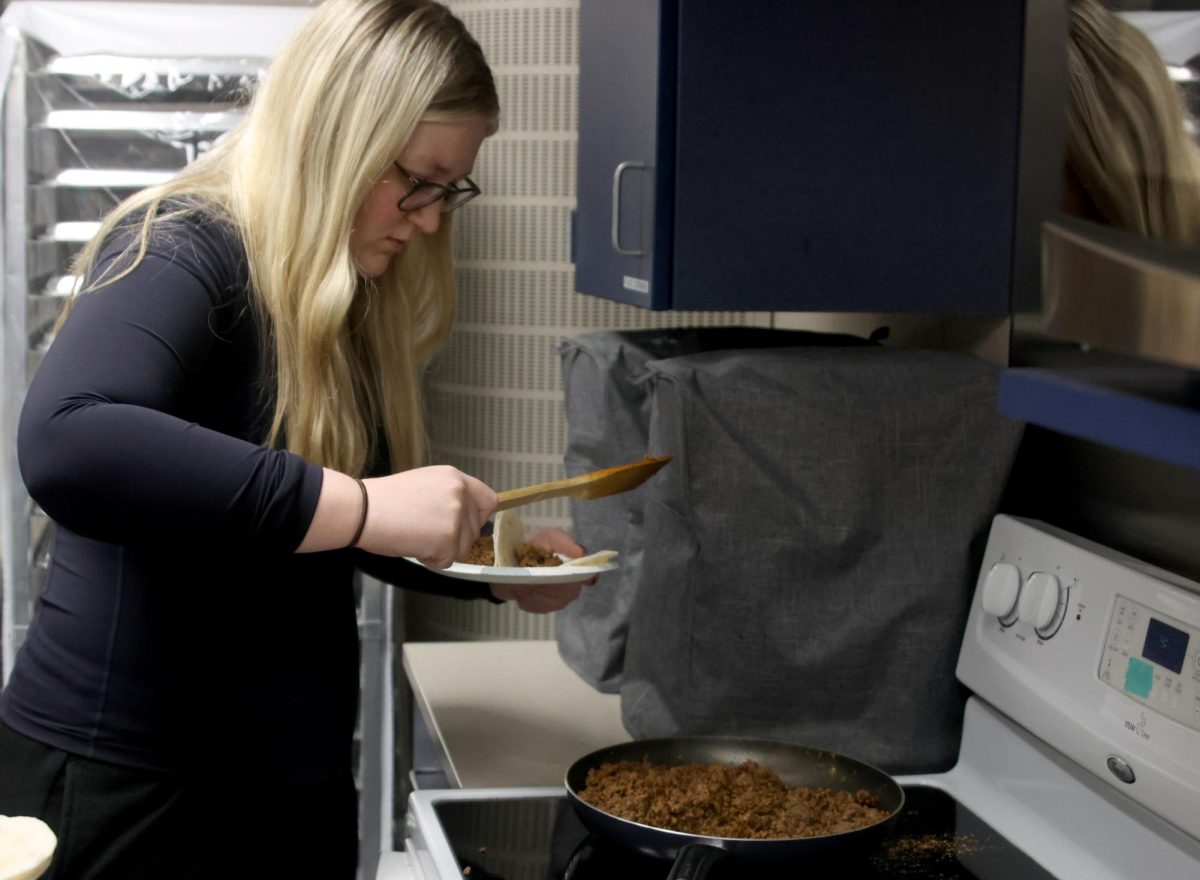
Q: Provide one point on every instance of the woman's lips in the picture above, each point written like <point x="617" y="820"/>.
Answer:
<point x="395" y="244"/>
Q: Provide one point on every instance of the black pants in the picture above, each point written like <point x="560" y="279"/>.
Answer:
<point x="121" y="822"/>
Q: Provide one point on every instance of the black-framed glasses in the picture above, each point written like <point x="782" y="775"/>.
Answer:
<point x="425" y="192"/>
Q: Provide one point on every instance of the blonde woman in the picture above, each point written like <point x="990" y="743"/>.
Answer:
<point x="1130" y="161"/>
<point x="247" y="348"/>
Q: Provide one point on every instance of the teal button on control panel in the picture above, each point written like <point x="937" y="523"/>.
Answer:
<point x="1154" y="659"/>
<point x="1139" y="678"/>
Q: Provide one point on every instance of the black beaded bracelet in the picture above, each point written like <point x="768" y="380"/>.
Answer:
<point x="362" y="521"/>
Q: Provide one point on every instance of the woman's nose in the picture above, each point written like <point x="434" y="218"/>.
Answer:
<point x="428" y="218"/>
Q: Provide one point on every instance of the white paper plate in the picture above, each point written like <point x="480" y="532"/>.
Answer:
<point x="494" y="574"/>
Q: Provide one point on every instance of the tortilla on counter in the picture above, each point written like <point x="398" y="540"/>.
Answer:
<point x="26" y="847"/>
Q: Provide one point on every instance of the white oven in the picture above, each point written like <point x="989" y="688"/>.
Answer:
<point x="1080" y="756"/>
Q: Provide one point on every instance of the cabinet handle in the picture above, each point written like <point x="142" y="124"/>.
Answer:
<point x="616" y="209"/>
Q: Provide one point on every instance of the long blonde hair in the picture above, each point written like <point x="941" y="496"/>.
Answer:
<point x="344" y="93"/>
<point x="1126" y="137"/>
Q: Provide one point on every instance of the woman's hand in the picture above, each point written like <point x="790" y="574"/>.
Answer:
<point x="544" y="598"/>
<point x="430" y="513"/>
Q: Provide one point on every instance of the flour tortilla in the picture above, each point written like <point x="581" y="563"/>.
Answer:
<point x="508" y="534"/>
<point x="26" y="847"/>
<point x="600" y="557"/>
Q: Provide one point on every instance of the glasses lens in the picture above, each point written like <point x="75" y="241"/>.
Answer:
<point x="457" y="199"/>
<point x="426" y="193"/>
<point x="423" y="195"/>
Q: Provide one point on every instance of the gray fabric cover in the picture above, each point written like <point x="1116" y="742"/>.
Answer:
<point x="608" y="422"/>
<point x="810" y="552"/>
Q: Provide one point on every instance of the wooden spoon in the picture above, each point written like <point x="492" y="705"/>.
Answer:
<point x="595" y="484"/>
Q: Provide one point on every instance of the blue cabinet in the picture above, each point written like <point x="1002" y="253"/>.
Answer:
<point x="625" y="82"/>
<point x="853" y="156"/>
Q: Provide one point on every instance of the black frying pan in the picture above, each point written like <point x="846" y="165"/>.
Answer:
<point x="796" y="766"/>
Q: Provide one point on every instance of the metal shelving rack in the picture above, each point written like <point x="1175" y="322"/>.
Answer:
<point x="80" y="132"/>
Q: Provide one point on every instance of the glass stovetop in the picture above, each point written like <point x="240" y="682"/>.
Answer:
<point x="540" y="838"/>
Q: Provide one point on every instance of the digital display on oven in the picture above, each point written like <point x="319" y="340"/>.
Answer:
<point x="1165" y="645"/>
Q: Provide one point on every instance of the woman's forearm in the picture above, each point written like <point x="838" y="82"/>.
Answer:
<point x="335" y="520"/>
<point x="430" y="513"/>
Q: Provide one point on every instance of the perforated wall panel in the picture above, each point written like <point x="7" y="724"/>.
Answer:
<point x="495" y="392"/>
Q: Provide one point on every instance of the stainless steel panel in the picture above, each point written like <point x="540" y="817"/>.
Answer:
<point x="50" y="204"/>
<point x="41" y="313"/>
<point x="1119" y="293"/>
<point x="51" y="150"/>
<point x="87" y="80"/>
<point x="47" y="259"/>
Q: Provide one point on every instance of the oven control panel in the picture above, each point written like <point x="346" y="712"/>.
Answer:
<point x="1095" y="654"/>
<point x="1155" y="659"/>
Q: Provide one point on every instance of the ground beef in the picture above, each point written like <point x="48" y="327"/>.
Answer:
<point x="483" y="552"/>
<point x="721" y="800"/>
<point x="536" y="555"/>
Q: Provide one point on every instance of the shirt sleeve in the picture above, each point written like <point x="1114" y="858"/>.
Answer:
<point x="109" y="441"/>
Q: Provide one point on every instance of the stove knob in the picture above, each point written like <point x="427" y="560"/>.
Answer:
<point x="1120" y="768"/>
<point x="1000" y="590"/>
<point x="1039" y="600"/>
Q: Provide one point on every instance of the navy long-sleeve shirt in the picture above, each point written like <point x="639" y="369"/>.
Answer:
<point x="177" y="628"/>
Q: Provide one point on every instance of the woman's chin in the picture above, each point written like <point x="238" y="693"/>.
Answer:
<point x="373" y="266"/>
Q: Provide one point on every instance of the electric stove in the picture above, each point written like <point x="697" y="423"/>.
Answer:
<point x="1080" y="754"/>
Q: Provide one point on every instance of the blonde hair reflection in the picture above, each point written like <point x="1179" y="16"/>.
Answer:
<point x="1131" y="163"/>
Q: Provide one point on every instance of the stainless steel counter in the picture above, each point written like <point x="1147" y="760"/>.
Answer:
<point x="498" y="714"/>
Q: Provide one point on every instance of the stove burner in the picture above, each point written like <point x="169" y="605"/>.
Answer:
<point x="935" y="838"/>
<point x="594" y="858"/>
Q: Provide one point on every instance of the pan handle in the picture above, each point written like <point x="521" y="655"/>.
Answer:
<point x="694" y="860"/>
